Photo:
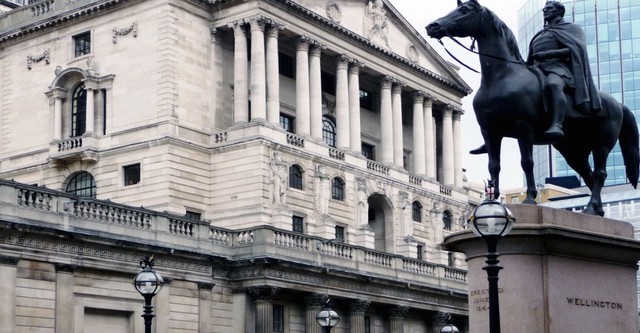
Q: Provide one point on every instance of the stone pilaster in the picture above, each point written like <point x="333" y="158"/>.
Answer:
<point x="205" y="316"/>
<point x="429" y="139"/>
<point x="396" y="317"/>
<point x="263" y="298"/>
<point x="447" y="146"/>
<point x="354" y="106"/>
<point x="258" y="70"/>
<point x="91" y="110"/>
<point x="358" y="308"/>
<point x="315" y="91"/>
<point x="313" y="305"/>
<point x="302" y="86"/>
<point x="457" y="148"/>
<point x="58" y="95"/>
<point x="64" y="298"/>
<point x="8" y="272"/>
<point x="273" y="74"/>
<point x="386" y="121"/>
<point x="419" y="163"/>
<point x="398" y="144"/>
<point x="240" y="74"/>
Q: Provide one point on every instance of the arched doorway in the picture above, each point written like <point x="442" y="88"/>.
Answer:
<point x="380" y="219"/>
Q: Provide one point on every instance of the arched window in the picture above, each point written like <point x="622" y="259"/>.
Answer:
<point x="329" y="131"/>
<point x="337" y="189"/>
<point x="446" y="219"/>
<point x="79" y="111"/>
<point x="82" y="184"/>
<point x="295" y="177"/>
<point x="416" y="211"/>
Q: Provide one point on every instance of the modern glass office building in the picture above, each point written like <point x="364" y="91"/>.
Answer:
<point x="612" y="29"/>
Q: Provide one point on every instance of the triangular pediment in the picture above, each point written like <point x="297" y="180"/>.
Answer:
<point x="380" y="23"/>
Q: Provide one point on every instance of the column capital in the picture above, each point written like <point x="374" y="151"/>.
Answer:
<point x="274" y="29"/>
<point x="315" y="51"/>
<point x="258" y="23"/>
<point x="342" y="61"/>
<point x="386" y="82"/>
<point x="315" y="300"/>
<point x="418" y="97"/>
<point x="216" y="34"/>
<point x="457" y="113"/>
<point x="206" y="285"/>
<point x="441" y="318"/>
<point x="355" y="65"/>
<point x="238" y="27"/>
<point x="397" y="87"/>
<point x="447" y="110"/>
<point x="303" y="43"/>
<point x="264" y="293"/>
<point x="359" y="307"/>
<point x="398" y="312"/>
<point x="57" y="93"/>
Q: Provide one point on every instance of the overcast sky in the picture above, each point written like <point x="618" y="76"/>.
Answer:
<point x="419" y="14"/>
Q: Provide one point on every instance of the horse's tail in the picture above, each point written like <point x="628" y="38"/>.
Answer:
<point x="629" y="145"/>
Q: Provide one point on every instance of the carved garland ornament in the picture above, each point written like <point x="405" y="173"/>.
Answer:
<point x="125" y="31"/>
<point x="46" y="56"/>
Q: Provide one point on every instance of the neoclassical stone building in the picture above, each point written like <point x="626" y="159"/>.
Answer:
<point x="269" y="153"/>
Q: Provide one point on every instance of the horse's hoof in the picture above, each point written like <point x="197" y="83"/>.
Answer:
<point x="529" y="201"/>
<point x="590" y="211"/>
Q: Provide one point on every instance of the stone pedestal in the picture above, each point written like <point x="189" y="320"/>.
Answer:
<point x="563" y="272"/>
<point x="366" y="237"/>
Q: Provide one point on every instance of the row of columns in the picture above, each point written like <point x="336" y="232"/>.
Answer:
<point x="265" y="101"/>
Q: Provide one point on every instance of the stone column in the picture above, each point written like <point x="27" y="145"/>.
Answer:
<point x="8" y="272"/>
<point x="398" y="144"/>
<point x="315" y="92"/>
<point x="240" y="74"/>
<point x="302" y="86"/>
<point x="64" y="298"/>
<point x="57" y="95"/>
<point x="457" y="148"/>
<point x="258" y="71"/>
<point x="342" y="102"/>
<point x="429" y="142"/>
<point x="216" y="63"/>
<point x="447" y="145"/>
<point x="273" y="74"/>
<point x="419" y="162"/>
<point x="396" y="317"/>
<point x="354" y="107"/>
<point x="91" y="88"/>
<point x="204" y="307"/>
<point x="313" y="305"/>
<point x="356" y="315"/>
<point x="386" y="122"/>
<point x="263" y="297"/>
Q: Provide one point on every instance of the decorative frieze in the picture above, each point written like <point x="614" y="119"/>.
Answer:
<point x="133" y="28"/>
<point x="45" y="55"/>
<point x="359" y="307"/>
<point x="264" y="293"/>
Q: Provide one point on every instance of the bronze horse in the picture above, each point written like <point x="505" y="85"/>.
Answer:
<point x="509" y="104"/>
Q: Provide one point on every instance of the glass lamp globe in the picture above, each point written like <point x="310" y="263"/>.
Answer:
<point x="148" y="282"/>
<point x="327" y="317"/>
<point x="491" y="218"/>
<point x="449" y="329"/>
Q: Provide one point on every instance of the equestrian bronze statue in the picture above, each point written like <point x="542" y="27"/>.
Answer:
<point x="577" y="119"/>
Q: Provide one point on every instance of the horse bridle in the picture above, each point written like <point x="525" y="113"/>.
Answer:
<point x="472" y="48"/>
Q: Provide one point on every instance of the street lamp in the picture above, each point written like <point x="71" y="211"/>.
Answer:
<point x="148" y="283"/>
<point x="449" y="328"/>
<point x="492" y="220"/>
<point x="327" y="317"/>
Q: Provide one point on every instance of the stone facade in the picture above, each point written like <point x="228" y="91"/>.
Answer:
<point x="279" y="151"/>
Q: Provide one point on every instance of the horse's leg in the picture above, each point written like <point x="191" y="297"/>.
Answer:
<point x="493" y="144"/>
<point x="525" y="142"/>
<point x="594" y="207"/>
<point x="578" y="159"/>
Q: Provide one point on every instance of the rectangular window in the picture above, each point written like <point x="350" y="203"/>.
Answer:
<point x="131" y="174"/>
<point x="368" y="151"/>
<point x="298" y="224"/>
<point x="193" y="216"/>
<point x="285" y="65"/>
<point x="420" y="251"/>
<point x="366" y="99"/>
<point x="339" y="233"/>
<point x="82" y="44"/>
<point x="286" y="122"/>
<point x="278" y="318"/>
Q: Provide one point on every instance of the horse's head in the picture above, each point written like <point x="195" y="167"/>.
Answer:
<point x="464" y="21"/>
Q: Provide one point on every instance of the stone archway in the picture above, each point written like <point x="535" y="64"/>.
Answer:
<point x="380" y="220"/>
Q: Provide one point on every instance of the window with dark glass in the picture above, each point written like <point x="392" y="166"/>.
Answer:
<point x="298" y="223"/>
<point x="446" y="219"/>
<point x="286" y="122"/>
<point x="328" y="83"/>
<point x="337" y="189"/>
<point x="82" y="184"/>
<point x="329" y="131"/>
<point x="193" y="216"/>
<point x="451" y="259"/>
<point x="371" y="215"/>
<point x="419" y="251"/>
<point x="286" y="65"/>
<point x="416" y="211"/>
<point x="82" y="44"/>
<point x="131" y="174"/>
<point x="278" y="318"/>
<point x="339" y="233"/>
<point x="366" y="99"/>
<point x="295" y="177"/>
<point x="368" y="151"/>
<point x="79" y="111"/>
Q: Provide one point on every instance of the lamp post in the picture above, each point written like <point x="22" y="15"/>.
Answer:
<point x="492" y="220"/>
<point x="449" y="328"/>
<point x="148" y="283"/>
<point x="327" y="317"/>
